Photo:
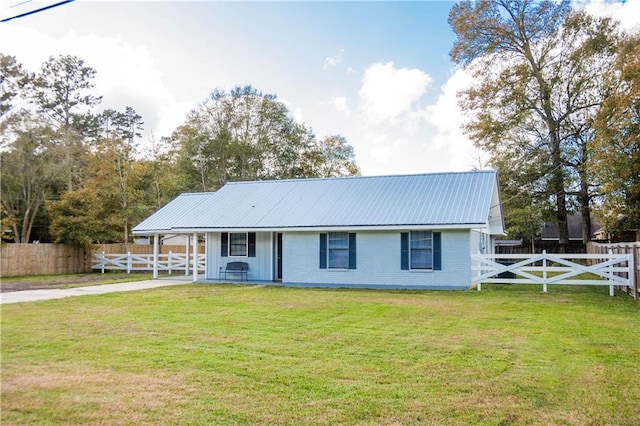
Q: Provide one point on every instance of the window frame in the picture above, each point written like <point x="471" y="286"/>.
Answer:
<point x="428" y="249"/>
<point x="344" y="251"/>
<point x="230" y="244"/>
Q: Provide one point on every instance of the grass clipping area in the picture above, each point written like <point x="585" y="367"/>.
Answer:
<point x="232" y="354"/>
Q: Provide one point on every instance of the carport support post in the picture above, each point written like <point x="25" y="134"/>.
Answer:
<point x="186" y="257"/>
<point x="195" y="257"/>
<point x="156" y="249"/>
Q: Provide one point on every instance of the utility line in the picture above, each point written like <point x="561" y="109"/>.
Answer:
<point x="51" y="6"/>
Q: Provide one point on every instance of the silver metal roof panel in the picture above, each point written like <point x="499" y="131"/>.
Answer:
<point x="376" y="201"/>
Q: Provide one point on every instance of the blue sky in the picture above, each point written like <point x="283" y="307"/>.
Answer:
<point x="377" y="73"/>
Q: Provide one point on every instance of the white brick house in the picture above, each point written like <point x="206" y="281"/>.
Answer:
<point x="404" y="231"/>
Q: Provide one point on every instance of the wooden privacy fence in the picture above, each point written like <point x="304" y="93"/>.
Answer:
<point x="40" y="259"/>
<point x="632" y="249"/>
<point x="573" y="269"/>
<point x="45" y="259"/>
<point x="169" y="262"/>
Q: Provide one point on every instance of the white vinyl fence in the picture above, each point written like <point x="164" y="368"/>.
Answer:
<point x="544" y="269"/>
<point x="169" y="262"/>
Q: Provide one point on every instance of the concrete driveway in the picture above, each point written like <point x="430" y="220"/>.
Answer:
<point x="59" y="293"/>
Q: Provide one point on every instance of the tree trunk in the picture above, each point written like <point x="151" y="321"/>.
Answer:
<point x="558" y="190"/>
<point x="585" y="209"/>
<point x="586" y="223"/>
<point x="557" y="172"/>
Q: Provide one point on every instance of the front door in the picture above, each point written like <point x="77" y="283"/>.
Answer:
<point x="279" y="256"/>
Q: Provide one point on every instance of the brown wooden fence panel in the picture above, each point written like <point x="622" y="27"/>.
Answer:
<point x="40" y="259"/>
<point x="628" y="248"/>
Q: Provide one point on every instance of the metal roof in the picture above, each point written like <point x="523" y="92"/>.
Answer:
<point x="436" y="199"/>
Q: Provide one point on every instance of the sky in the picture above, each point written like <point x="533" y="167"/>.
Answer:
<point x="377" y="73"/>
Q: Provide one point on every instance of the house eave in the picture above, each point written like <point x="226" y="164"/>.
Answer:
<point x="338" y="228"/>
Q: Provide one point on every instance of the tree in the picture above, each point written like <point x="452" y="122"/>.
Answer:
<point x="29" y="171"/>
<point x="13" y="82"/>
<point x="331" y="156"/>
<point x="538" y="68"/>
<point x="616" y="151"/>
<point x="80" y="218"/>
<point x="247" y="135"/>
<point x="110" y="194"/>
<point x="62" y="94"/>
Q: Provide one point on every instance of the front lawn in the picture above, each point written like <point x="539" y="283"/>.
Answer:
<point x="38" y="282"/>
<point x="232" y="354"/>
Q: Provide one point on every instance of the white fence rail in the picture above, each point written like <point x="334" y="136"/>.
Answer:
<point x="573" y="269"/>
<point x="170" y="262"/>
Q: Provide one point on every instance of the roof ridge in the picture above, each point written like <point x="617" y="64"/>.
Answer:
<point x="241" y="182"/>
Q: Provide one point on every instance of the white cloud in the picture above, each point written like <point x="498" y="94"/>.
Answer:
<point x="627" y="12"/>
<point x="351" y="70"/>
<point x="296" y="111"/>
<point x="332" y="61"/>
<point x="387" y="92"/>
<point x="340" y="104"/>
<point x="447" y="119"/>
<point x="397" y="132"/>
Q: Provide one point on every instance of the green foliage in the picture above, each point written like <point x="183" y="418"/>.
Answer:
<point x="616" y="151"/>
<point x="330" y="157"/>
<point x="29" y="172"/>
<point x="62" y="89"/>
<point x="79" y="218"/>
<point x="13" y="82"/>
<point x="247" y="135"/>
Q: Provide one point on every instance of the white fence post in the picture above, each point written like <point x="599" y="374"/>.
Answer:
<point x="544" y="271"/>
<point x="104" y="259"/>
<point x="611" y="288"/>
<point x="169" y="262"/>
<point x="632" y="275"/>
<point x="129" y="262"/>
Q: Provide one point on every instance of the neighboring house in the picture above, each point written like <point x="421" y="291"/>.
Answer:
<point x="549" y="231"/>
<point x="406" y="231"/>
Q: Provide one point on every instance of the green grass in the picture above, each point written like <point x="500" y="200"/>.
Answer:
<point x="73" y="280"/>
<point x="231" y="354"/>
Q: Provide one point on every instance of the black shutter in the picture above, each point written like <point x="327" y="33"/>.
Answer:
<point x="352" y="250"/>
<point x="404" y="251"/>
<point x="323" y="251"/>
<point x="251" y="248"/>
<point x="224" y="244"/>
<point x="437" y="251"/>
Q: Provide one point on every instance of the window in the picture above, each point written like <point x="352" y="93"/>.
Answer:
<point x="421" y="250"/>
<point x="338" y="250"/>
<point x="237" y="244"/>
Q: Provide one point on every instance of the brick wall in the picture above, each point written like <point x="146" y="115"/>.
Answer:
<point x="378" y="261"/>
